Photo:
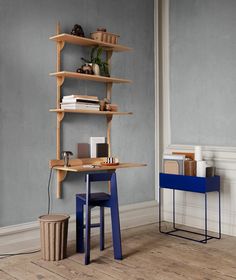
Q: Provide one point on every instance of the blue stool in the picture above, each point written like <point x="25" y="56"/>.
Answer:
<point x="90" y="200"/>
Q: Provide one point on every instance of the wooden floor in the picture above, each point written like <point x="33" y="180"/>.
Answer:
<point x="147" y="255"/>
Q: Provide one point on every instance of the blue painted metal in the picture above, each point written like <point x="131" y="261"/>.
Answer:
<point x="102" y="230"/>
<point x="90" y="200"/>
<point x="87" y="221"/>
<point x="79" y="227"/>
<point x="190" y="183"/>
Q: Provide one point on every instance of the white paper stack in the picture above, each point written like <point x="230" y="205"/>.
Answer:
<point x="80" y="102"/>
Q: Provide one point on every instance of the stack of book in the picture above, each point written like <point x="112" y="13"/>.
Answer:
<point x="80" y="102"/>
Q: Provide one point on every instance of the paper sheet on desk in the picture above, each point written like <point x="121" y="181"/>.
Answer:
<point x="90" y="166"/>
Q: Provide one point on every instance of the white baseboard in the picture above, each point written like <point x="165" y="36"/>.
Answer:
<point x="25" y="236"/>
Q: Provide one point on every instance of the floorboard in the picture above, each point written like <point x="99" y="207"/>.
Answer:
<point x="147" y="255"/>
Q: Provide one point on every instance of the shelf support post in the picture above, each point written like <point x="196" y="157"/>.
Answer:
<point x="61" y="174"/>
<point x="109" y="119"/>
<point x="60" y="80"/>
<point x="109" y="96"/>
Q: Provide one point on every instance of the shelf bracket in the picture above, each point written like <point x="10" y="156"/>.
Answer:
<point x="60" y="45"/>
<point x="60" y="80"/>
<point x="109" y="118"/>
<point x="61" y="175"/>
<point x="60" y="116"/>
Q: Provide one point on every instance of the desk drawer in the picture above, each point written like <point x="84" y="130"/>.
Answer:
<point x="189" y="183"/>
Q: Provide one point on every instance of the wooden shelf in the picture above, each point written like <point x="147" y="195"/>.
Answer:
<point x="95" y="78"/>
<point x="88" y="42"/>
<point x="89" y="112"/>
<point x="80" y="164"/>
<point x="81" y="168"/>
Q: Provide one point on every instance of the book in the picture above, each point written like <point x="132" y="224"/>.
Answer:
<point x="71" y="100"/>
<point x="93" y="145"/>
<point x="102" y="150"/>
<point x="83" y="150"/>
<point x="76" y="98"/>
<point x="81" y="96"/>
<point x="174" y="157"/>
<point x="79" y="102"/>
<point x="80" y="107"/>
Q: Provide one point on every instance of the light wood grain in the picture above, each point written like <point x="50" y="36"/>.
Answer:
<point x="90" y="112"/>
<point x="5" y="276"/>
<point x="77" y="161"/>
<point x="95" y="78"/>
<point x="82" y="168"/>
<point x="147" y="255"/>
<point x="87" y="42"/>
<point x="60" y="40"/>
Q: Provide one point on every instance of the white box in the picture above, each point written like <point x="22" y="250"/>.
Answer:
<point x="93" y="145"/>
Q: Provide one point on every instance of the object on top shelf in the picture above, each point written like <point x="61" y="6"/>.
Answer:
<point x="189" y="167"/>
<point x="99" y="67"/>
<point x="85" y="69"/>
<point x="102" y="150"/>
<point x="104" y="36"/>
<point x="187" y="155"/>
<point x="114" y="107"/>
<point x="103" y="29"/>
<point x="83" y="150"/>
<point x="77" y="30"/>
<point x="173" y="164"/>
<point x="198" y="153"/>
<point x="78" y="97"/>
<point x="66" y="157"/>
<point x="110" y="161"/>
<point x="210" y="171"/>
<point x="93" y="145"/>
<point x="80" y="102"/>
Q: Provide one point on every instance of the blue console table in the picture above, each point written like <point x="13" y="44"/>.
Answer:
<point x="189" y="184"/>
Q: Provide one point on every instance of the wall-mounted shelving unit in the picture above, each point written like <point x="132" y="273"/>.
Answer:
<point x="60" y="75"/>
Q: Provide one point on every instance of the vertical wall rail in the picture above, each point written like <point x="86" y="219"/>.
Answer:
<point x="109" y="96"/>
<point x="60" y="116"/>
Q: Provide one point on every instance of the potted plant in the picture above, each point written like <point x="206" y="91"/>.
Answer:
<point x="99" y="67"/>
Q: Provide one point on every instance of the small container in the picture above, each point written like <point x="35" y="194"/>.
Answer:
<point x="102" y="105"/>
<point x="105" y="37"/>
<point x="53" y="236"/>
<point x="114" y="107"/>
<point x="190" y="167"/>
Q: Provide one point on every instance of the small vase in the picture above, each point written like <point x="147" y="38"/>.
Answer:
<point x="96" y="69"/>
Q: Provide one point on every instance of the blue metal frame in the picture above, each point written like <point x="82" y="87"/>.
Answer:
<point x="190" y="184"/>
<point x="102" y="200"/>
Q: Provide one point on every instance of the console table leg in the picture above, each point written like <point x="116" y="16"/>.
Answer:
<point x="219" y="215"/>
<point x="174" y="209"/>
<point x="205" y="218"/>
<point x="159" y="209"/>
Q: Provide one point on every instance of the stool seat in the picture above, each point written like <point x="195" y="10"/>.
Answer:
<point x="94" y="197"/>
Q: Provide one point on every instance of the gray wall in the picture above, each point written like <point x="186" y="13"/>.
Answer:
<point x="202" y="72"/>
<point x="28" y="130"/>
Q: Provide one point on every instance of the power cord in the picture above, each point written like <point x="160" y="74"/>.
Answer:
<point x="3" y="256"/>
<point x="49" y="197"/>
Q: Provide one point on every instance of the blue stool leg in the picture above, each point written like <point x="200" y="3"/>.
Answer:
<point x="79" y="227"/>
<point x="101" y="228"/>
<point x="115" y="220"/>
<point x="87" y="222"/>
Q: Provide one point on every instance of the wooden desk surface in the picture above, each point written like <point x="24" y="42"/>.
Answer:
<point x="88" y="167"/>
